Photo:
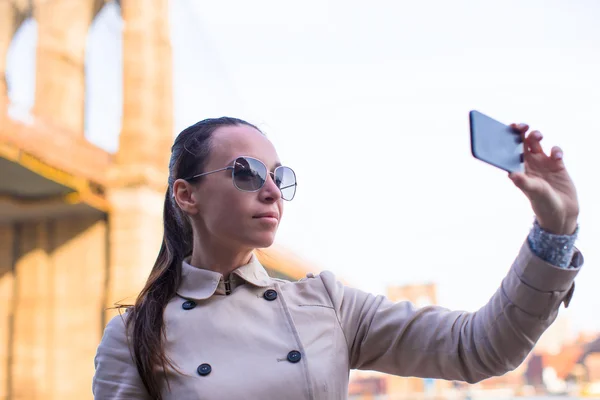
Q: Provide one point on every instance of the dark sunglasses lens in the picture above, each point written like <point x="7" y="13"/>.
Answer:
<point x="249" y="174"/>
<point x="285" y="179"/>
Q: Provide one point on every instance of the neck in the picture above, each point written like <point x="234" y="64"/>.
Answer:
<point x="219" y="258"/>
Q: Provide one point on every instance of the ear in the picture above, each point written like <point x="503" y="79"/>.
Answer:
<point x="183" y="191"/>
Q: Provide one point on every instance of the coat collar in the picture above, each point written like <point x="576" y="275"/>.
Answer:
<point x="200" y="284"/>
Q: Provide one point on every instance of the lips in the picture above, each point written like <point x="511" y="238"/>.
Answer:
<point x="268" y="215"/>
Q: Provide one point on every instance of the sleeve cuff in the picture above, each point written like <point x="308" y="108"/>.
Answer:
<point x="557" y="250"/>
<point x="537" y="287"/>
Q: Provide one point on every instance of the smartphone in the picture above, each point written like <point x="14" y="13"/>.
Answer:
<point x="496" y="143"/>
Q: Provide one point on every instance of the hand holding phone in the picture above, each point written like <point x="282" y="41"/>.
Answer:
<point x="542" y="177"/>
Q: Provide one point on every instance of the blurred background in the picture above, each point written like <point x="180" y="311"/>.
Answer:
<point x="367" y="101"/>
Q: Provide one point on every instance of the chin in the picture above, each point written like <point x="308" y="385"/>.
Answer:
<point x="262" y="240"/>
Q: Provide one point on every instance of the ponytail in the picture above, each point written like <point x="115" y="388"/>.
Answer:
<point x="146" y="316"/>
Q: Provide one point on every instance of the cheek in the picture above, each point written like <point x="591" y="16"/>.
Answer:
<point x="228" y="214"/>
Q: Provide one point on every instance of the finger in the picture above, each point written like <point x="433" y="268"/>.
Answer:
<point x="522" y="128"/>
<point x="533" y="142"/>
<point x="525" y="145"/>
<point x="556" y="153"/>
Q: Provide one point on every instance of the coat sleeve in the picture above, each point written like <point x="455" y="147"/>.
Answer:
<point x="434" y="342"/>
<point x="116" y="376"/>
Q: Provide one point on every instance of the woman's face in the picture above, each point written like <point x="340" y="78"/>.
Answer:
<point x="232" y="217"/>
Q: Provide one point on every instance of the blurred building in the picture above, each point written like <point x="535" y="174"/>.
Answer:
<point x="573" y="370"/>
<point x="80" y="228"/>
<point x="554" y="338"/>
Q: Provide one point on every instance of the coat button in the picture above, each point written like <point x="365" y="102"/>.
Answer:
<point x="294" y="356"/>
<point x="188" y="305"/>
<point x="204" y="369"/>
<point x="270" y="295"/>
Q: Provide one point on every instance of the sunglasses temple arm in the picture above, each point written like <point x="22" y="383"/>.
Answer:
<point x="211" y="172"/>
<point x="289" y="186"/>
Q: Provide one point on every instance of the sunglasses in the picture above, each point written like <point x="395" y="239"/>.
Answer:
<point x="249" y="175"/>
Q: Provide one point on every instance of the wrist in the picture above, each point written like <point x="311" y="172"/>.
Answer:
<point x="567" y="227"/>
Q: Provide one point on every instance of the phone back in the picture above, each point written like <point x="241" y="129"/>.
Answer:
<point x="495" y="143"/>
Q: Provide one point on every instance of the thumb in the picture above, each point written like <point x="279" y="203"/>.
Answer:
<point x="527" y="184"/>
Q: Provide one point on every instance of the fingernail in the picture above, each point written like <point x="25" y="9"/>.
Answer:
<point x="559" y="155"/>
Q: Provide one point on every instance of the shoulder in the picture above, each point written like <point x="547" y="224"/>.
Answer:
<point x="118" y="322"/>
<point x="116" y="375"/>
<point x="325" y="277"/>
<point x="114" y="349"/>
<point x="115" y="332"/>
<point x="323" y="285"/>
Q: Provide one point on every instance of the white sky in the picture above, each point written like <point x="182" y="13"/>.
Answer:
<point x="369" y="102"/>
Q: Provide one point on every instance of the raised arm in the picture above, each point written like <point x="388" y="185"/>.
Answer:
<point x="434" y="342"/>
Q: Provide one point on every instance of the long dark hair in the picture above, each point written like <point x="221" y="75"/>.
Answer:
<point x="145" y="319"/>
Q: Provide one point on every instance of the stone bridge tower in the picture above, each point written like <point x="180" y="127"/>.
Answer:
<point x="80" y="227"/>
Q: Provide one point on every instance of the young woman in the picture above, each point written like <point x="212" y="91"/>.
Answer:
<point x="211" y="324"/>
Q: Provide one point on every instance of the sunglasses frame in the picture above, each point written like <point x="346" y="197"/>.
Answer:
<point x="232" y="168"/>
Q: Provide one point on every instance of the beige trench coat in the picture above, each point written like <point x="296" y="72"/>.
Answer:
<point x="273" y="339"/>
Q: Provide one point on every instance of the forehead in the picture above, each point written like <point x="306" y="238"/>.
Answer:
<point x="229" y="142"/>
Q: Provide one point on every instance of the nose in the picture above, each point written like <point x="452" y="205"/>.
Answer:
<point x="270" y="192"/>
